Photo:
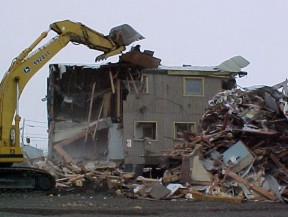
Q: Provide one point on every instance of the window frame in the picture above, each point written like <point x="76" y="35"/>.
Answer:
<point x="185" y="87"/>
<point x="182" y="122"/>
<point x="142" y="139"/>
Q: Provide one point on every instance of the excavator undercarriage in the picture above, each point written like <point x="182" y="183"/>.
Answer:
<point x="26" y="178"/>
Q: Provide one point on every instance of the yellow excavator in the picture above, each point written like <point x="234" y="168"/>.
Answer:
<point x="18" y="75"/>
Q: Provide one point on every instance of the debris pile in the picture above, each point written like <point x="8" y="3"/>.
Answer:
<point x="242" y="151"/>
<point x="90" y="175"/>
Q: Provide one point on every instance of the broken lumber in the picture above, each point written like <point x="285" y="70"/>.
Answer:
<point x="219" y="198"/>
<point x="90" y="110"/>
<point x="258" y="189"/>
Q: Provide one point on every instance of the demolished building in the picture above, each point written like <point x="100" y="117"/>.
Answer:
<point x="240" y="154"/>
<point x="130" y="111"/>
<point x="226" y="143"/>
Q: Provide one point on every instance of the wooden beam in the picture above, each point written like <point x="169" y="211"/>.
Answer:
<point x="90" y="110"/>
<point x="265" y="193"/>
<point x="111" y="81"/>
<point x="106" y="103"/>
<point x="63" y="153"/>
<point x="133" y="82"/>
<point x="60" y="150"/>
<point x="219" y="198"/>
<point x="118" y="98"/>
<point x="99" y="115"/>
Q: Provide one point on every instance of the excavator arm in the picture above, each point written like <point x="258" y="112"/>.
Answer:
<point x="28" y="63"/>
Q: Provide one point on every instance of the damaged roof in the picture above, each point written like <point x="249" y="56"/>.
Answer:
<point x="229" y="67"/>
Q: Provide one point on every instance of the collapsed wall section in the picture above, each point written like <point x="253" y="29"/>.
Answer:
<point x="85" y="109"/>
<point x="80" y="111"/>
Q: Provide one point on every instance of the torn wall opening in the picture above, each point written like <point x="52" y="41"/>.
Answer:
<point x="85" y="107"/>
<point x="82" y="107"/>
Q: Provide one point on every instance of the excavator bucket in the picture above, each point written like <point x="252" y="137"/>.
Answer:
<point x="124" y="35"/>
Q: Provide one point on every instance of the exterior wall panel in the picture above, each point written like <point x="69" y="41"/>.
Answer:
<point x="164" y="104"/>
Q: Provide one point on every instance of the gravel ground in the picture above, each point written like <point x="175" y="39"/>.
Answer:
<point x="110" y="204"/>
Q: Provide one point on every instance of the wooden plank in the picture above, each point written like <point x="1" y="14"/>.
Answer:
<point x="221" y="198"/>
<point x="133" y="82"/>
<point x="99" y="115"/>
<point x="90" y="110"/>
<point x="71" y="139"/>
<point x="258" y="189"/>
<point x="60" y="150"/>
<point x="106" y="103"/>
<point x="128" y="84"/>
<point x="111" y="81"/>
<point x="143" y="179"/>
<point x="118" y="103"/>
<point x="63" y="153"/>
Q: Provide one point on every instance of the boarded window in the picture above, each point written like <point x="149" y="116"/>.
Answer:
<point x="193" y="87"/>
<point x="145" y="130"/>
<point x="180" y="127"/>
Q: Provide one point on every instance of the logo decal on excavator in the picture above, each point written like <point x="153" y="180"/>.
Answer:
<point x="37" y="61"/>
<point x="27" y="69"/>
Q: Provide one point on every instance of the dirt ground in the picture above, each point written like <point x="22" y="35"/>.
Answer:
<point x="110" y="204"/>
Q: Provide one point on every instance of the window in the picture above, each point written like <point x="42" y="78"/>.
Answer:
<point x="193" y="87"/>
<point x="180" y="127"/>
<point x="145" y="130"/>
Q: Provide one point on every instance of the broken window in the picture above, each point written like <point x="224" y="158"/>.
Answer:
<point x="193" y="86"/>
<point x="137" y="86"/>
<point x="145" y="130"/>
<point x="181" y="127"/>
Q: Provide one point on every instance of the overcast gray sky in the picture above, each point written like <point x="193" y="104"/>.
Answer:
<point x="196" y="32"/>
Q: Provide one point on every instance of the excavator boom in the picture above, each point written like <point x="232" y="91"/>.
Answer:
<point x="29" y="62"/>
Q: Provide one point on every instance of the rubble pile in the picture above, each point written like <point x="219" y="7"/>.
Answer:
<point x="243" y="150"/>
<point x="89" y="175"/>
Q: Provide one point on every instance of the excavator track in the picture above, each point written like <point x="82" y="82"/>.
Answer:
<point x="26" y="178"/>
